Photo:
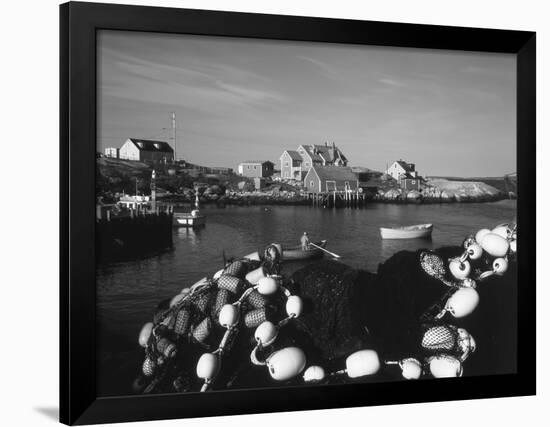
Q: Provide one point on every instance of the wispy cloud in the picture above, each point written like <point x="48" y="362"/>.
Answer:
<point x="392" y="82"/>
<point x="324" y="68"/>
<point x="204" y="85"/>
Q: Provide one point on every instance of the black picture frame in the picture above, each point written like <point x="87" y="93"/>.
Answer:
<point x="79" y="23"/>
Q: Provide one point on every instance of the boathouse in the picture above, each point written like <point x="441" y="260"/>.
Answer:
<point x="256" y="168"/>
<point x="325" y="179"/>
<point x="145" y="150"/>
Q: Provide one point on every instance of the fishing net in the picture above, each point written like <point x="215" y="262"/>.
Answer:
<point x="230" y="283"/>
<point x="237" y="269"/>
<point x="183" y="322"/>
<point x="440" y="338"/>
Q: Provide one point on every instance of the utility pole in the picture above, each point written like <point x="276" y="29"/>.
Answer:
<point x="174" y="136"/>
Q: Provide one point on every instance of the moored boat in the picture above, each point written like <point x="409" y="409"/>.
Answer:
<point x="193" y="219"/>
<point x="419" y="231"/>
<point x="295" y="253"/>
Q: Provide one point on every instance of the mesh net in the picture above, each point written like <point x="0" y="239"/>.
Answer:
<point x="237" y="269"/>
<point x="230" y="283"/>
<point x="256" y="300"/>
<point x="439" y="338"/>
<point x="255" y="317"/>
<point x="183" y="321"/>
<point x="202" y="330"/>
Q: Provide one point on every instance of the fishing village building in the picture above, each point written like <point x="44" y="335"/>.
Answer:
<point x="145" y="150"/>
<point x="256" y="168"/>
<point x="325" y="179"/>
<point x="405" y="174"/>
<point x="400" y="168"/>
<point x="295" y="164"/>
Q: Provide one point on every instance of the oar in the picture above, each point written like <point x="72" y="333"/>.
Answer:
<point x="328" y="252"/>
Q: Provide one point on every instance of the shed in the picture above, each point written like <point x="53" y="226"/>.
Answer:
<point x="321" y="179"/>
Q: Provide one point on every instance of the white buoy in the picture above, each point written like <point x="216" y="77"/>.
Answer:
<point x="362" y="363"/>
<point x="481" y="233"/>
<point x="255" y="275"/>
<point x="459" y="269"/>
<point x="411" y="369"/>
<point x="229" y="316"/>
<point x="445" y="366"/>
<point x="313" y="374"/>
<point x="500" y="266"/>
<point x="514" y="246"/>
<point x="266" y="333"/>
<point x="495" y="245"/>
<point x="286" y="363"/>
<point x="217" y="274"/>
<point x="208" y="366"/>
<point x="294" y="306"/>
<point x="502" y="231"/>
<point x="145" y="334"/>
<point x="474" y="251"/>
<point x="462" y="302"/>
<point x="267" y="285"/>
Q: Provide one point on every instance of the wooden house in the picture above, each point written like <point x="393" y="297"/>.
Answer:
<point x="323" y="179"/>
<point x="256" y="168"/>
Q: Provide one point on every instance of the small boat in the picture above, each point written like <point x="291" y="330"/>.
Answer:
<point x="193" y="219"/>
<point x="419" y="231"/>
<point x="295" y="253"/>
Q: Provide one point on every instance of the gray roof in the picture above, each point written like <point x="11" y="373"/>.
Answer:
<point x="150" y="145"/>
<point x="327" y="152"/>
<point x="405" y="165"/>
<point x="335" y="173"/>
<point x="294" y="155"/>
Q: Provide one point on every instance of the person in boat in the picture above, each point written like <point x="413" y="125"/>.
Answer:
<point x="304" y="240"/>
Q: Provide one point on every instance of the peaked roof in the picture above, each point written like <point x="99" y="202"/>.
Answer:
<point x="150" y="145"/>
<point x="335" y="173"/>
<point x="294" y="155"/>
<point x="406" y="166"/>
<point x="329" y="152"/>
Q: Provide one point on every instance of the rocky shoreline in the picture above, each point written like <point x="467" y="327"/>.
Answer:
<point x="396" y="196"/>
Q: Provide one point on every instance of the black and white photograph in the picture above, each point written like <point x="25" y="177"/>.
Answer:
<point x="280" y="213"/>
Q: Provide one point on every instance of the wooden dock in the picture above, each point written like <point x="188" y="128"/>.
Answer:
<point x="140" y="232"/>
<point x="337" y="199"/>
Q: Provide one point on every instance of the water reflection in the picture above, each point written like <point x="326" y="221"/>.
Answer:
<point x="189" y="234"/>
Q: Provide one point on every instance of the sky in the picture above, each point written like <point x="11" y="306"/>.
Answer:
<point x="451" y="113"/>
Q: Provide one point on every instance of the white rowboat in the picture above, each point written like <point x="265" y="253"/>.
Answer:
<point x="410" y="232"/>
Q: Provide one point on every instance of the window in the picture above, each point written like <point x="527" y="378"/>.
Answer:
<point x="286" y="163"/>
<point x="255" y="167"/>
<point x="413" y="182"/>
<point x="311" y="183"/>
<point x="306" y="164"/>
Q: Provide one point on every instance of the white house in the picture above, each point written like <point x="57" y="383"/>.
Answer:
<point x="401" y="169"/>
<point x="146" y="150"/>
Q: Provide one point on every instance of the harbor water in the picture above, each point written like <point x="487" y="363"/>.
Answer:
<point x="128" y="292"/>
